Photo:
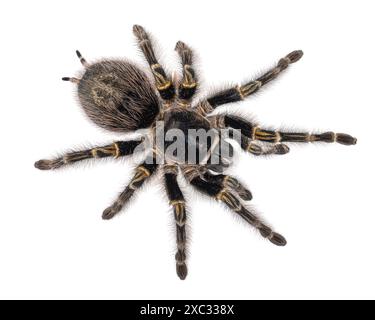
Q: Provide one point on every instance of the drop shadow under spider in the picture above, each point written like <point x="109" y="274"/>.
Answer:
<point x="118" y="96"/>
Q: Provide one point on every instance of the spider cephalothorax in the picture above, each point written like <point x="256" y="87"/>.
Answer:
<point x="118" y="96"/>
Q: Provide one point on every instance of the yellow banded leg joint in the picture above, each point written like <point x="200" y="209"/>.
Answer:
<point x="112" y="150"/>
<point x="141" y="174"/>
<point x="229" y="199"/>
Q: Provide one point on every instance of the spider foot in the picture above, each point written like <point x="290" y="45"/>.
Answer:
<point x="111" y="211"/>
<point x="281" y="149"/>
<point x="294" y="56"/>
<point x="345" y="139"/>
<point x="181" y="46"/>
<point x="244" y="194"/>
<point x="331" y="137"/>
<point x="139" y="32"/>
<point x="48" y="164"/>
<point x="181" y="270"/>
<point x="276" y="238"/>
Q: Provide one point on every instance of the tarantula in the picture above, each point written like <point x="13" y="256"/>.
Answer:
<point x="118" y="96"/>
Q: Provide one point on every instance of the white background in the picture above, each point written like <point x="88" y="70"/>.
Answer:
<point x="53" y="243"/>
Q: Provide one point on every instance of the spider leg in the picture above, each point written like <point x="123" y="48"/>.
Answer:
<point x="244" y="128"/>
<point x="243" y="91"/>
<point x="257" y="150"/>
<point x="226" y="196"/>
<point x="142" y="173"/>
<point x="176" y="199"/>
<point x="82" y="59"/>
<point x="84" y="63"/>
<point x="253" y="132"/>
<point x="188" y="85"/>
<point x="283" y="136"/>
<point x="163" y="83"/>
<point x="71" y="79"/>
<point x="116" y="149"/>
<point x="229" y="182"/>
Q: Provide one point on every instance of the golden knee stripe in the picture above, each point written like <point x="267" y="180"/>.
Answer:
<point x="266" y="135"/>
<point x="229" y="199"/>
<point x="189" y="81"/>
<point x="141" y="174"/>
<point x="161" y="82"/>
<point x="180" y="211"/>
<point x="112" y="150"/>
<point x="249" y="88"/>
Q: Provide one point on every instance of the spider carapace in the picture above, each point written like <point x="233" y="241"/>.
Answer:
<point x="118" y="96"/>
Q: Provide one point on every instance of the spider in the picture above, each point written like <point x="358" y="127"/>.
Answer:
<point x="116" y="95"/>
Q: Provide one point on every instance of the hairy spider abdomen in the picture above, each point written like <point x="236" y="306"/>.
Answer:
<point x="118" y="96"/>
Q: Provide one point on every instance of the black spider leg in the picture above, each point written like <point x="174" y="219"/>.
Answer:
<point x="163" y="83"/>
<point x="253" y="132"/>
<point x="257" y="150"/>
<point x="226" y="196"/>
<point x="188" y="84"/>
<point x="282" y="136"/>
<point x="116" y="149"/>
<point x="143" y="172"/>
<point x="83" y="62"/>
<point x="229" y="182"/>
<point x="243" y="91"/>
<point x="177" y="201"/>
<point x="237" y="123"/>
<point x="71" y="79"/>
<point x="82" y="59"/>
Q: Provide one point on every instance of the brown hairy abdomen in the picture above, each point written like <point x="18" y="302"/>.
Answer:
<point x="118" y="96"/>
